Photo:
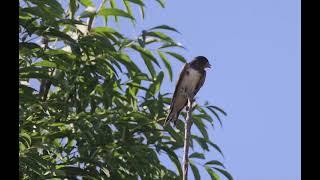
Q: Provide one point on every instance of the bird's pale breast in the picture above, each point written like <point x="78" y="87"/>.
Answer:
<point x="191" y="80"/>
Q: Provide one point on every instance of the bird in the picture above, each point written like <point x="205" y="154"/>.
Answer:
<point x="190" y="81"/>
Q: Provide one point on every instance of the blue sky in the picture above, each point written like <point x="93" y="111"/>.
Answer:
<point x="254" y="48"/>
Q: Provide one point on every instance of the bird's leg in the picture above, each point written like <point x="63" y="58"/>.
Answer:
<point x="190" y="100"/>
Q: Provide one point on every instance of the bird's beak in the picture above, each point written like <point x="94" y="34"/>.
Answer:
<point x="208" y="65"/>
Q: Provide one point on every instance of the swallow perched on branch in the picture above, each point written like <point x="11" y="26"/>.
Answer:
<point x="190" y="81"/>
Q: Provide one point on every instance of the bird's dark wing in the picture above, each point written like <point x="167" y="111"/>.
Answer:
<point x="201" y="82"/>
<point x="182" y="74"/>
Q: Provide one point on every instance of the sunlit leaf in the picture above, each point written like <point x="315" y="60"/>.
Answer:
<point x="114" y="12"/>
<point x="86" y="3"/>
<point x="212" y="174"/>
<point x="128" y="8"/>
<point x="114" y="6"/>
<point x="160" y="35"/>
<point x="225" y="173"/>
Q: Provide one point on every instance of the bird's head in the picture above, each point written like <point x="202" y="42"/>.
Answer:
<point x="200" y="62"/>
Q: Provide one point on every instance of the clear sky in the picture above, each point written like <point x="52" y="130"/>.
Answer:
<point x="254" y="48"/>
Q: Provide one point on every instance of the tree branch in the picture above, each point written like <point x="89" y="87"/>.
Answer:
<point x="187" y="127"/>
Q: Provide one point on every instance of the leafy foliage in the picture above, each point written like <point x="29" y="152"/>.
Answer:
<point x="96" y="114"/>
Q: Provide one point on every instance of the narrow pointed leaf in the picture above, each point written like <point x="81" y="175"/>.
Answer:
<point x="86" y="3"/>
<point x="129" y="9"/>
<point x="114" y="6"/>
<point x="161" y="2"/>
<point x="215" y="147"/>
<point x="142" y="11"/>
<point x="139" y="2"/>
<point x="146" y="53"/>
<point x="212" y="174"/>
<point x="225" y="173"/>
<point x="215" y="114"/>
<point x="197" y="155"/>
<point x="177" y="56"/>
<point x="166" y="63"/>
<point x="195" y="170"/>
<point x="149" y="65"/>
<point x="159" y="35"/>
<point x="114" y="12"/>
<point x="214" y="162"/>
<point x="166" y="27"/>
<point x="174" y="158"/>
<point x="219" y="109"/>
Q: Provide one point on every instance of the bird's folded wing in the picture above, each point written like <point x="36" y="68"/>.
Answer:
<point x="200" y="83"/>
<point x="182" y="74"/>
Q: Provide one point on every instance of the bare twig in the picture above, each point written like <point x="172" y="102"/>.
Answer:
<point x="187" y="128"/>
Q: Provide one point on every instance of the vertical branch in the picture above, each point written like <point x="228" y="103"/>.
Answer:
<point x="187" y="128"/>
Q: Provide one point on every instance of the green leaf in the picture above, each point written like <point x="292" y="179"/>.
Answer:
<point x="159" y="35"/>
<point x="128" y="8"/>
<point x="177" y="56"/>
<point x="51" y="7"/>
<point x="146" y="53"/>
<point x="214" y="162"/>
<point x="219" y="109"/>
<point x="166" y="63"/>
<point x="60" y="35"/>
<point x="215" y="114"/>
<point x="197" y="155"/>
<point x="27" y="137"/>
<point x="138" y="2"/>
<point x="149" y="65"/>
<point x="86" y="3"/>
<point x="106" y="31"/>
<point x="201" y="126"/>
<point x="56" y="6"/>
<point x="161" y="2"/>
<point x="166" y="27"/>
<point x="195" y="170"/>
<point x="176" y="136"/>
<point x="114" y="6"/>
<point x="215" y="147"/>
<point x="127" y="62"/>
<point x="158" y="82"/>
<point x="114" y="12"/>
<point x="213" y="175"/>
<point x="225" y="173"/>
<point x="45" y="63"/>
<point x="201" y="141"/>
<point x="171" y="44"/>
<point x="86" y="14"/>
<point x="142" y="11"/>
<point x="73" y="8"/>
<point x="174" y="158"/>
